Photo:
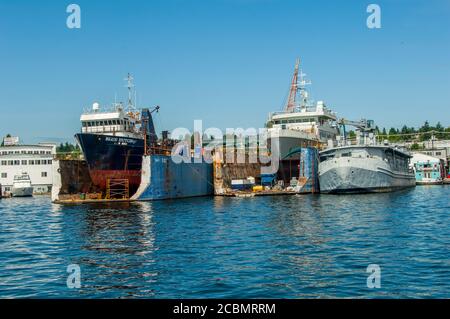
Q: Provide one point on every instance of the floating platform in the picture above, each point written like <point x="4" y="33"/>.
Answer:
<point x="161" y="178"/>
<point x="259" y="193"/>
<point x="296" y="175"/>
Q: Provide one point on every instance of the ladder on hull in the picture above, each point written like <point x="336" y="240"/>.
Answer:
<point x="117" y="189"/>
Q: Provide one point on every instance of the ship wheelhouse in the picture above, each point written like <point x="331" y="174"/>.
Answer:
<point x="317" y="120"/>
<point x="112" y="122"/>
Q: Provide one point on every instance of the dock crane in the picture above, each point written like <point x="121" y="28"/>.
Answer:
<point x="364" y="126"/>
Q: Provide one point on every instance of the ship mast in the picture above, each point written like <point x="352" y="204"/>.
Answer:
<point x="130" y="86"/>
<point x="294" y="87"/>
<point x="298" y="86"/>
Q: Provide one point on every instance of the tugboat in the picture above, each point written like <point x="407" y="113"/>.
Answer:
<point x="22" y="186"/>
<point x="114" y="140"/>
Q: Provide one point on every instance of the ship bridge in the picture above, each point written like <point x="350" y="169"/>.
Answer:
<point x="115" y="121"/>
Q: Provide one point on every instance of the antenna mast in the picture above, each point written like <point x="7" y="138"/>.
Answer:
<point x="130" y="87"/>
<point x="296" y="86"/>
<point x="302" y="89"/>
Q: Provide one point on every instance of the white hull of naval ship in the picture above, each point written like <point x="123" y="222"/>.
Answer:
<point x="364" y="169"/>
<point x="290" y="140"/>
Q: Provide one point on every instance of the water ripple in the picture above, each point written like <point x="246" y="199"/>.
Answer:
<point x="309" y="246"/>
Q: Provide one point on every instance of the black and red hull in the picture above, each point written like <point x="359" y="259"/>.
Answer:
<point x="112" y="157"/>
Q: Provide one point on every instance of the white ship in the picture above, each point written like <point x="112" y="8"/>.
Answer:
<point x="364" y="168"/>
<point x="301" y="123"/>
<point x="22" y="186"/>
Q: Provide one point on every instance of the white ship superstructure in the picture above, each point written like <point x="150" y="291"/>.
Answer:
<point x="115" y="121"/>
<point x="301" y="123"/>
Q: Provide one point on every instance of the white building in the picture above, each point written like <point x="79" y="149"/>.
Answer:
<point x="36" y="160"/>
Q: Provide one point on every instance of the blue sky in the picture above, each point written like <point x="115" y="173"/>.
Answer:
<point x="227" y="62"/>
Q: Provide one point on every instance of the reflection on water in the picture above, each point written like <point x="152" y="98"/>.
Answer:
<point x="267" y="247"/>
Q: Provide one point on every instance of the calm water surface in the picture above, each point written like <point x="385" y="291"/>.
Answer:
<point x="268" y="247"/>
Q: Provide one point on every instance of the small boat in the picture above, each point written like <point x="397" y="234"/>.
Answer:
<point x="22" y="186"/>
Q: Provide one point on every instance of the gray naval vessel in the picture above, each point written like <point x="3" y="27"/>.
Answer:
<point x="364" y="167"/>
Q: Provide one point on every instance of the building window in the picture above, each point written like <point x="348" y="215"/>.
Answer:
<point x="38" y="162"/>
<point x="4" y="163"/>
<point x="4" y="175"/>
<point x="438" y="153"/>
<point x="44" y="174"/>
<point x="49" y="162"/>
<point x="31" y="162"/>
<point x="24" y="162"/>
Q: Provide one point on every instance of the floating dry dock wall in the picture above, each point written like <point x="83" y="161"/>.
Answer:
<point x="71" y="180"/>
<point x="161" y="178"/>
<point x="298" y="174"/>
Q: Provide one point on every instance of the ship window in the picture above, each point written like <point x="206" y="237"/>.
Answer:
<point x="348" y="154"/>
